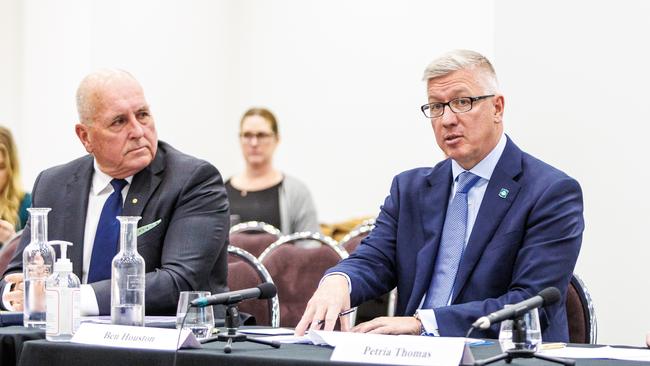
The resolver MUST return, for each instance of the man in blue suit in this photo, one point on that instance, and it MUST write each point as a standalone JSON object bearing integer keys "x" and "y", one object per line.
{"x": 489, "y": 226}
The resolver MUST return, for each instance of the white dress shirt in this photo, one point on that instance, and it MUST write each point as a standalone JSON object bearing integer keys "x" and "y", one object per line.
{"x": 100, "y": 189}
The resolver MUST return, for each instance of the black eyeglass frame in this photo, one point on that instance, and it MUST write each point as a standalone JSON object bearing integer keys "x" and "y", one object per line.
{"x": 472, "y": 100}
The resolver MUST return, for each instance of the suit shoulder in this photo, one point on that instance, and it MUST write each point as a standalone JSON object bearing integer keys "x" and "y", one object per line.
{"x": 422, "y": 172}
{"x": 64, "y": 171}
{"x": 543, "y": 172}
{"x": 542, "y": 168}
{"x": 182, "y": 162}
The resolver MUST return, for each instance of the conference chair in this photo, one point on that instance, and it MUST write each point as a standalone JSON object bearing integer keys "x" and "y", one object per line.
{"x": 581, "y": 315}
{"x": 373, "y": 308}
{"x": 297, "y": 269}
{"x": 7, "y": 251}
{"x": 253, "y": 236}
{"x": 354, "y": 237}
{"x": 246, "y": 271}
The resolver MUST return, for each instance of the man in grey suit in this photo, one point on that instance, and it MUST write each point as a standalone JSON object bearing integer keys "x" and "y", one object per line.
{"x": 181, "y": 199}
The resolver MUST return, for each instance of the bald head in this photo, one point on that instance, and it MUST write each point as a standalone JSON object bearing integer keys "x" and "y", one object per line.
{"x": 116, "y": 125}
{"x": 91, "y": 90}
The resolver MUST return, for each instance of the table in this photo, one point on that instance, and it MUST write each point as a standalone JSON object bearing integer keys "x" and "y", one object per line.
{"x": 41, "y": 352}
{"x": 11, "y": 341}
{"x": 27, "y": 346}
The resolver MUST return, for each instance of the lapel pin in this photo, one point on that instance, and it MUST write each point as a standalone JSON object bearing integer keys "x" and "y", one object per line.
{"x": 503, "y": 193}
{"x": 134, "y": 201}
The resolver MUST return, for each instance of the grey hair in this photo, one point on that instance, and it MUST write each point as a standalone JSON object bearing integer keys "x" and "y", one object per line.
{"x": 463, "y": 60}
{"x": 89, "y": 91}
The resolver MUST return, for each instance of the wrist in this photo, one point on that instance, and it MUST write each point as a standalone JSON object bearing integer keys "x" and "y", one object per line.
{"x": 420, "y": 328}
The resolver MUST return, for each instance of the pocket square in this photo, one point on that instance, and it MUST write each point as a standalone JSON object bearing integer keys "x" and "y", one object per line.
{"x": 144, "y": 229}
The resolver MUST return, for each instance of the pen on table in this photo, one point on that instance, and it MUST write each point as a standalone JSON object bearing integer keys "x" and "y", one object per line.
{"x": 343, "y": 313}
{"x": 480, "y": 342}
{"x": 546, "y": 346}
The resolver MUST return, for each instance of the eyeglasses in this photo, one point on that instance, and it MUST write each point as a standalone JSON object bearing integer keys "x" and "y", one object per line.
{"x": 458, "y": 105}
{"x": 261, "y": 137}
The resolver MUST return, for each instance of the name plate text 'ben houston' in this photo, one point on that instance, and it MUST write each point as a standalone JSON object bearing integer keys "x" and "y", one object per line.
{"x": 123, "y": 336}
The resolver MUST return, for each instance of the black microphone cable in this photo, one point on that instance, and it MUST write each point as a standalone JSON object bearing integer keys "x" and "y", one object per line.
{"x": 180, "y": 331}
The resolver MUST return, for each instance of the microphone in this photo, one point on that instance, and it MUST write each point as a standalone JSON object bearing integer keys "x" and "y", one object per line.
{"x": 547, "y": 296}
{"x": 263, "y": 291}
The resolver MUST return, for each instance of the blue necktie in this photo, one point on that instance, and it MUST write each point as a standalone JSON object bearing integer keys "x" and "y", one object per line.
{"x": 452, "y": 245}
{"x": 107, "y": 235}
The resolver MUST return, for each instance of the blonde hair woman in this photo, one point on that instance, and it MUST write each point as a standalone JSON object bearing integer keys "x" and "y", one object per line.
{"x": 14, "y": 201}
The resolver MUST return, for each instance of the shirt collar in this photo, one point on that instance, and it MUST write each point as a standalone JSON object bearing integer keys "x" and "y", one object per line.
{"x": 486, "y": 166}
{"x": 101, "y": 180}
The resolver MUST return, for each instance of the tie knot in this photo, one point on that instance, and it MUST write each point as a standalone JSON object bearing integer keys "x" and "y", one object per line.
{"x": 466, "y": 181}
{"x": 119, "y": 184}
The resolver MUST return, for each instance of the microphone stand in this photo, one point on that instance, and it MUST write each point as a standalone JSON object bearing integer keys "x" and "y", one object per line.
{"x": 520, "y": 350}
{"x": 232, "y": 323}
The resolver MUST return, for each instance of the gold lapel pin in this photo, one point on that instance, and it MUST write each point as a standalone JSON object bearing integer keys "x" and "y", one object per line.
{"x": 134, "y": 201}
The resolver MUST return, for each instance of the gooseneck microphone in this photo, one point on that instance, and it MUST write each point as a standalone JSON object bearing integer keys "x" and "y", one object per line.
{"x": 264, "y": 291}
{"x": 547, "y": 296}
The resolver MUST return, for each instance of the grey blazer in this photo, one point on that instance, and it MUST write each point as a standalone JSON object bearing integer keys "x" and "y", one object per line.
{"x": 186, "y": 251}
{"x": 297, "y": 209}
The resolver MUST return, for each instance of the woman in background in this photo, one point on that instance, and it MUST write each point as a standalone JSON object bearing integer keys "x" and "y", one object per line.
{"x": 13, "y": 200}
{"x": 261, "y": 192}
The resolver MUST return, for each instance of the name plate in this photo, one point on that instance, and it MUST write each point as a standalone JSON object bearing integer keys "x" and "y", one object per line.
{"x": 403, "y": 350}
{"x": 123, "y": 336}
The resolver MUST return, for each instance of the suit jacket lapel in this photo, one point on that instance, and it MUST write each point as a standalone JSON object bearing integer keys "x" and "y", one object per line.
{"x": 433, "y": 207}
{"x": 76, "y": 206}
{"x": 143, "y": 185}
{"x": 493, "y": 209}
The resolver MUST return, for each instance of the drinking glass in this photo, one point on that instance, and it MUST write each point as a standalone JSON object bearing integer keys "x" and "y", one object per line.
{"x": 533, "y": 332}
{"x": 199, "y": 320}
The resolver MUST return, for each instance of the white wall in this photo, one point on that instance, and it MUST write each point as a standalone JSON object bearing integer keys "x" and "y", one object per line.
{"x": 576, "y": 75}
{"x": 10, "y": 64}
{"x": 343, "y": 77}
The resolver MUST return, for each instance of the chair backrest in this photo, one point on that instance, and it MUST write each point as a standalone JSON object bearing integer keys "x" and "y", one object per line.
{"x": 581, "y": 314}
{"x": 253, "y": 236}
{"x": 7, "y": 251}
{"x": 246, "y": 271}
{"x": 383, "y": 305}
{"x": 297, "y": 269}
{"x": 354, "y": 237}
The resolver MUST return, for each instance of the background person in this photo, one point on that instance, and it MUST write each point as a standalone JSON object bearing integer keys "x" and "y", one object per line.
{"x": 181, "y": 199}
{"x": 489, "y": 226}
{"x": 13, "y": 200}
{"x": 261, "y": 192}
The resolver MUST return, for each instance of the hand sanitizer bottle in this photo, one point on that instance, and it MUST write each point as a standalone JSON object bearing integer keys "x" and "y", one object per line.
{"x": 63, "y": 296}
{"x": 38, "y": 258}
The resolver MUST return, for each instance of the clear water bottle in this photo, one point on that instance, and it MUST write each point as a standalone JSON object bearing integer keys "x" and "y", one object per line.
{"x": 38, "y": 258}
{"x": 127, "y": 277}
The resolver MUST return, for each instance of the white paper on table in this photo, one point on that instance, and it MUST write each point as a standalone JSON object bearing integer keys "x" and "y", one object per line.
{"x": 318, "y": 338}
{"x": 267, "y": 331}
{"x": 606, "y": 352}
{"x": 288, "y": 339}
